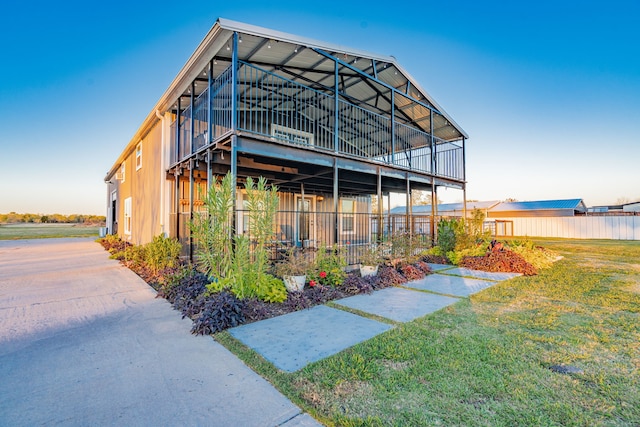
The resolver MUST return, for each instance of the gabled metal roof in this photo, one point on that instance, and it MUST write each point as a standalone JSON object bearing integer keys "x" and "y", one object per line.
{"x": 366, "y": 79}
{"x": 285, "y": 53}
{"x": 575, "y": 204}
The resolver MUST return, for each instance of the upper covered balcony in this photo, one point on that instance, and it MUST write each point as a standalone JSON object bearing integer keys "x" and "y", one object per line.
{"x": 282, "y": 89}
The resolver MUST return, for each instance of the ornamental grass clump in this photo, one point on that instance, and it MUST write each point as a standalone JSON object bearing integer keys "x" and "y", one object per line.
{"x": 238, "y": 263}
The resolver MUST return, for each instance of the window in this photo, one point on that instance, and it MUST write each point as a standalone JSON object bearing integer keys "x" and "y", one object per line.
{"x": 121, "y": 175}
{"x": 348, "y": 210}
{"x": 127, "y": 216}
{"x": 139, "y": 155}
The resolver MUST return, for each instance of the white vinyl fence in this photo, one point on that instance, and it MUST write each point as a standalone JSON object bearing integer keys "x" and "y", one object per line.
{"x": 579, "y": 227}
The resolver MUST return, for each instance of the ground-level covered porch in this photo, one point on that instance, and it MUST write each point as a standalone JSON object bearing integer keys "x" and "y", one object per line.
{"x": 326, "y": 199}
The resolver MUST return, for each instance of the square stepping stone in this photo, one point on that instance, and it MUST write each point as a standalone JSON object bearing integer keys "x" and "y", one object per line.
{"x": 294, "y": 340}
{"x": 401, "y": 305}
{"x": 461, "y": 271}
{"x": 450, "y": 285}
{"x": 438, "y": 267}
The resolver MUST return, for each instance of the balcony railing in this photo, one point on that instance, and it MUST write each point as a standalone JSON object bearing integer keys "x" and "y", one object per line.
{"x": 275, "y": 107}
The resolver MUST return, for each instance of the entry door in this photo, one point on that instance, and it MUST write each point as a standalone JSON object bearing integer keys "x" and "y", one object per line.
{"x": 113, "y": 229}
{"x": 306, "y": 220}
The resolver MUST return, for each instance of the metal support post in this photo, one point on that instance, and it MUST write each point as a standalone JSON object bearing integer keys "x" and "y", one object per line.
{"x": 380, "y": 207}
{"x": 191, "y": 167}
{"x": 335, "y": 201}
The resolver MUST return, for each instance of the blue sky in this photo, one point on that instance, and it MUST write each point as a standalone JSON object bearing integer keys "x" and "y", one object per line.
{"x": 549, "y": 92}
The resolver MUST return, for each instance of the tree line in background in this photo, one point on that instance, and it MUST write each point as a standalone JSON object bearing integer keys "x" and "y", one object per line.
{"x": 14, "y": 218}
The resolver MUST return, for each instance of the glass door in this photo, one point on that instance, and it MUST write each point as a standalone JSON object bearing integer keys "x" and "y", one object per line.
{"x": 305, "y": 212}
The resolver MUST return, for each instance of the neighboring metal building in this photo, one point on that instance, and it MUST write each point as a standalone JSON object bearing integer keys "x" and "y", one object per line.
{"x": 631, "y": 207}
{"x": 446, "y": 209}
{"x": 623, "y": 209}
{"x": 330, "y": 126}
{"x": 568, "y": 207}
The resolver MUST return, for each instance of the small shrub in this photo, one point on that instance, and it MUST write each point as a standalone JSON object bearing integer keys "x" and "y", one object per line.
{"x": 537, "y": 256}
{"x": 113, "y": 243}
{"x": 423, "y": 266}
{"x": 457, "y": 255}
{"x": 254, "y": 309}
{"x": 328, "y": 267}
{"x": 162, "y": 253}
{"x": 271, "y": 289}
{"x": 296, "y": 301}
{"x": 411, "y": 272}
{"x": 219, "y": 312}
{"x": 185, "y": 295}
{"x": 132, "y": 255}
{"x": 403, "y": 245}
{"x": 388, "y": 276}
{"x": 448, "y": 229}
{"x": 434, "y": 259}
{"x": 434, "y": 251}
{"x": 321, "y": 294}
{"x": 354, "y": 285}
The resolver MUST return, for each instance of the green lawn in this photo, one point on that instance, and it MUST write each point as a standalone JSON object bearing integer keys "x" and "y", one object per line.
{"x": 41, "y": 231}
{"x": 485, "y": 360}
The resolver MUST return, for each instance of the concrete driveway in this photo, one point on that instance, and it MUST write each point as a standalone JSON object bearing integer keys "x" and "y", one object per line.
{"x": 84, "y": 341}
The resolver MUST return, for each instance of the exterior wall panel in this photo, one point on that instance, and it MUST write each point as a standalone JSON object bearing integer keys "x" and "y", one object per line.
{"x": 142, "y": 186}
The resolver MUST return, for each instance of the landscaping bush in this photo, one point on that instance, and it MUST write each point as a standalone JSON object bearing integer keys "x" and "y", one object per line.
{"x": 448, "y": 229}
{"x": 423, "y": 266}
{"x": 354, "y": 285}
{"x": 112, "y": 243}
{"x": 388, "y": 276}
{"x": 411, "y": 272}
{"x": 219, "y": 312}
{"x": 186, "y": 296}
{"x": 458, "y": 238}
{"x": 456, "y": 255}
{"x": 162, "y": 253}
{"x": 537, "y": 256}
{"x": 328, "y": 267}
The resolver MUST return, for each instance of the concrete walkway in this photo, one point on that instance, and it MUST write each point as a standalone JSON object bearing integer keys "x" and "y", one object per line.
{"x": 84, "y": 341}
{"x": 294, "y": 340}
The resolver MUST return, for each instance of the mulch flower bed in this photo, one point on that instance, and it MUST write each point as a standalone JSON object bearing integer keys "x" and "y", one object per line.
{"x": 500, "y": 261}
{"x": 186, "y": 289}
{"x": 216, "y": 312}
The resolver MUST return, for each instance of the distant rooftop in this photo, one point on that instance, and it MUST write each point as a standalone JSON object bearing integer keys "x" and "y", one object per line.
{"x": 575, "y": 204}
{"x": 446, "y": 207}
{"x": 494, "y": 206}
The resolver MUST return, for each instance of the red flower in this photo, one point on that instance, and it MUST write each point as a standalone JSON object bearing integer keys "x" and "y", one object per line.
{"x": 312, "y": 283}
{"x": 323, "y": 274}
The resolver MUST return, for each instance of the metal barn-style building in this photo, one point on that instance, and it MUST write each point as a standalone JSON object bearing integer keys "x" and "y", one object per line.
{"x": 335, "y": 129}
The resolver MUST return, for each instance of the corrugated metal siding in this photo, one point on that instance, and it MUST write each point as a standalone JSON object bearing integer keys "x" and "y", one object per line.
{"x": 582, "y": 227}
{"x": 145, "y": 192}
